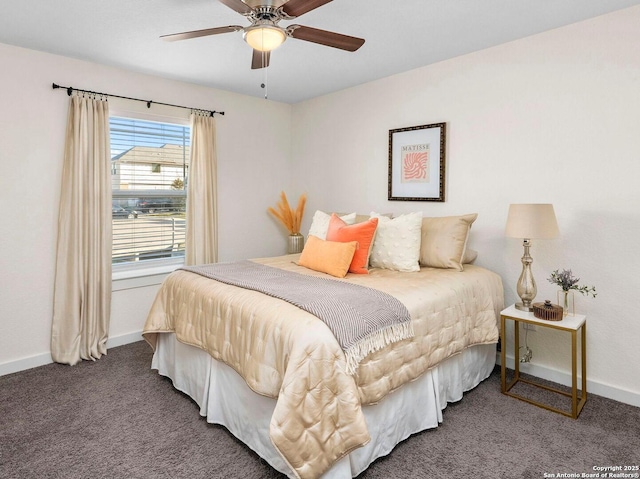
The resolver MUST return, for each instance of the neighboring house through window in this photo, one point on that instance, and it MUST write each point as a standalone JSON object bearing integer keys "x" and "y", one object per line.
{"x": 149, "y": 176}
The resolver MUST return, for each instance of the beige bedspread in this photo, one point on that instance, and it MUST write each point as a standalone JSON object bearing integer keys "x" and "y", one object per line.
{"x": 286, "y": 353}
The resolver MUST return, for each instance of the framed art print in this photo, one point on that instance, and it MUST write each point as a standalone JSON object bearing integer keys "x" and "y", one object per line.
{"x": 417, "y": 163}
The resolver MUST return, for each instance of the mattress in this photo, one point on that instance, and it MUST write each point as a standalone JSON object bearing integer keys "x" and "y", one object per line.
{"x": 224, "y": 398}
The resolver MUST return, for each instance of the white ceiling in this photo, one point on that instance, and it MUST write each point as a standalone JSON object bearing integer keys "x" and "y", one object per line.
{"x": 400, "y": 35}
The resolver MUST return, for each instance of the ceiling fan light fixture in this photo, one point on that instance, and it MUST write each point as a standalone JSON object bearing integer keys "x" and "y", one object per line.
{"x": 264, "y": 38}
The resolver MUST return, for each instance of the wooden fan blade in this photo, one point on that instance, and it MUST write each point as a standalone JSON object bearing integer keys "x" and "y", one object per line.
{"x": 201, "y": 33}
{"x": 260, "y": 59}
{"x": 295, "y": 8}
{"x": 323, "y": 37}
{"x": 237, "y": 5}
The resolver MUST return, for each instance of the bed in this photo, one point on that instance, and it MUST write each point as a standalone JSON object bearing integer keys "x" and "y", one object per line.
{"x": 275, "y": 376}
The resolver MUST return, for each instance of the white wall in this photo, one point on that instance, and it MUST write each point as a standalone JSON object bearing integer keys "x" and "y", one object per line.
{"x": 253, "y": 166}
{"x": 550, "y": 118}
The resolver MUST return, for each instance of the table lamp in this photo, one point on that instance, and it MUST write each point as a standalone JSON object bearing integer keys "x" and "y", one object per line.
{"x": 530, "y": 221}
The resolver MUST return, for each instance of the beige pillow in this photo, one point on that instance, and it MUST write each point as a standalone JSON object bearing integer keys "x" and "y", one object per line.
{"x": 469, "y": 256}
{"x": 444, "y": 240}
{"x": 329, "y": 257}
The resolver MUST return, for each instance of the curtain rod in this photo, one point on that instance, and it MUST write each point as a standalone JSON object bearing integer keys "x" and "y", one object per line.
{"x": 148, "y": 102}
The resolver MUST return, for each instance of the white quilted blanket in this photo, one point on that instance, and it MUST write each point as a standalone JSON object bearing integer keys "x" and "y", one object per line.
{"x": 286, "y": 353}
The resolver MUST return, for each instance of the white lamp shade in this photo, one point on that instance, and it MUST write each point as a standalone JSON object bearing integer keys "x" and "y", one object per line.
{"x": 532, "y": 221}
{"x": 264, "y": 38}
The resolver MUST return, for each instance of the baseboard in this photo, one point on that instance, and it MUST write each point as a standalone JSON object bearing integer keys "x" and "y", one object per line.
{"x": 42, "y": 359}
{"x": 564, "y": 378}
{"x": 124, "y": 339}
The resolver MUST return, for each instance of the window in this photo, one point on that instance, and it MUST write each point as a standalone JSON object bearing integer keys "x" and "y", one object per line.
{"x": 149, "y": 171}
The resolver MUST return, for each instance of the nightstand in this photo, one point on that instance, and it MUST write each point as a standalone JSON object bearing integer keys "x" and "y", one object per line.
{"x": 570, "y": 324}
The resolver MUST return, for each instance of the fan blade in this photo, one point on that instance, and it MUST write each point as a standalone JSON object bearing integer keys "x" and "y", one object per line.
{"x": 323, "y": 37}
{"x": 260, "y": 59}
{"x": 295, "y": 8}
{"x": 237, "y": 5}
{"x": 201, "y": 33}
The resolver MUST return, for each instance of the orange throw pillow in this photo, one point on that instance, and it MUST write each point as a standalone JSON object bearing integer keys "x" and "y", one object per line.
{"x": 363, "y": 233}
{"x": 328, "y": 257}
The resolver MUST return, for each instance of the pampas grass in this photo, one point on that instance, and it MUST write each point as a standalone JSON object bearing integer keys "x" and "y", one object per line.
{"x": 290, "y": 219}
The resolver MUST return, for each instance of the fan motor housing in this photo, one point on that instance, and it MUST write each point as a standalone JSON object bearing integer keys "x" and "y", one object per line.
{"x": 255, "y": 4}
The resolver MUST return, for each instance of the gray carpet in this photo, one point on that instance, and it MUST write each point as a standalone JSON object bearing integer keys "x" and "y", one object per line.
{"x": 116, "y": 418}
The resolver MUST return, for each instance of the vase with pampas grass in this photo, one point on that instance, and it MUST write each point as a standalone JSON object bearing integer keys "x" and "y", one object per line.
{"x": 291, "y": 219}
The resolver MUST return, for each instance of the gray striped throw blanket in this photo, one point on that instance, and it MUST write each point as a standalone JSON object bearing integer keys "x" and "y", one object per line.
{"x": 362, "y": 319}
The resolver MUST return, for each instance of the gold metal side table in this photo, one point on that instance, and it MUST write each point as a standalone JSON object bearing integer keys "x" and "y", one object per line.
{"x": 570, "y": 324}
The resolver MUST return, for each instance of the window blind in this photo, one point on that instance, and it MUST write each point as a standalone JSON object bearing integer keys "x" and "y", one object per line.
{"x": 149, "y": 176}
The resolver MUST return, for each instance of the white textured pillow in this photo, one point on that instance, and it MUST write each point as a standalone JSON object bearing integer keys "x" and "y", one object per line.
{"x": 397, "y": 242}
{"x": 320, "y": 223}
{"x": 444, "y": 241}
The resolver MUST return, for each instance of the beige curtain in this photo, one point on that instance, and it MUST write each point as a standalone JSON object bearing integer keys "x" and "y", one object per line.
{"x": 82, "y": 290}
{"x": 202, "y": 207}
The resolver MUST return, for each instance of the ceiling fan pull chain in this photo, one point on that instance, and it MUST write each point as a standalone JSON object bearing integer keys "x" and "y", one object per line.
{"x": 264, "y": 69}
{"x": 266, "y": 76}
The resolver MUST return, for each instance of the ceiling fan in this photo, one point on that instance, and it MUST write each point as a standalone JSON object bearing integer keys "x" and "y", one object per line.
{"x": 264, "y": 34}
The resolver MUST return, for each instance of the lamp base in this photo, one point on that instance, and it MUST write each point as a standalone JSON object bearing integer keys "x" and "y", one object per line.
{"x": 522, "y": 307}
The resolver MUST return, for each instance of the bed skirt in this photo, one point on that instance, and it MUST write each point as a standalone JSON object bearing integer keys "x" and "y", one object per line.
{"x": 224, "y": 398}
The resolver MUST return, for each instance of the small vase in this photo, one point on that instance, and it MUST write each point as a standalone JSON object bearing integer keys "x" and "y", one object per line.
{"x": 566, "y": 300}
{"x": 295, "y": 243}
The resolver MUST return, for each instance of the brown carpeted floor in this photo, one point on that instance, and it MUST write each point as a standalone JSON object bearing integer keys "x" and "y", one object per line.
{"x": 116, "y": 418}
